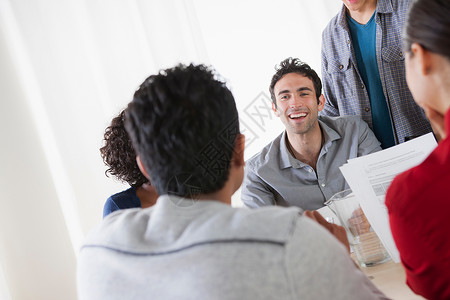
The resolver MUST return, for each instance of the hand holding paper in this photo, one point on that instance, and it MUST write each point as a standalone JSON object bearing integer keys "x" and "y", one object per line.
{"x": 370, "y": 176}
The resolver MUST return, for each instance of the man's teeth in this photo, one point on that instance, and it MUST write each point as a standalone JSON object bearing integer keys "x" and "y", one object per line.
{"x": 299, "y": 115}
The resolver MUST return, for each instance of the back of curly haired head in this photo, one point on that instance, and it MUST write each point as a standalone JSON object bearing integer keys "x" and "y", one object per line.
{"x": 183, "y": 123}
{"x": 119, "y": 155}
{"x": 295, "y": 65}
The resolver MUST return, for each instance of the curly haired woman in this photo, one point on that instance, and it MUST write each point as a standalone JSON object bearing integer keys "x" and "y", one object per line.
{"x": 119, "y": 155}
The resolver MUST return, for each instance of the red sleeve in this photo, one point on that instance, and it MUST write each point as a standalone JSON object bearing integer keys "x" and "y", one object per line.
{"x": 419, "y": 207}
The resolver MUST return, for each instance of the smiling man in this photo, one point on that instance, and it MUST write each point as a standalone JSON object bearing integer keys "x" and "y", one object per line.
{"x": 301, "y": 166}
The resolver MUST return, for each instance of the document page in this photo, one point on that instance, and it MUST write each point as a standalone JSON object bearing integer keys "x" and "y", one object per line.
{"x": 370, "y": 176}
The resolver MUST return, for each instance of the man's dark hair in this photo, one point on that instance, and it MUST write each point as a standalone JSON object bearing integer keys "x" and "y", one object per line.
{"x": 119, "y": 155}
{"x": 295, "y": 65}
{"x": 428, "y": 24}
{"x": 183, "y": 123}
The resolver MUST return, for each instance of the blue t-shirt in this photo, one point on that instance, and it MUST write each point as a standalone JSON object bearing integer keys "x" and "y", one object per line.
{"x": 364, "y": 42}
{"x": 122, "y": 200}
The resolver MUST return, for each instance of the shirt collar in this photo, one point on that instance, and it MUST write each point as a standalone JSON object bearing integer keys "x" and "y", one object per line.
{"x": 341, "y": 20}
{"x": 286, "y": 158}
{"x": 329, "y": 134}
{"x": 384, "y": 7}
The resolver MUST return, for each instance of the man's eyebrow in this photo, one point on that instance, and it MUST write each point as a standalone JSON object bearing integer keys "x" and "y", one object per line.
{"x": 283, "y": 92}
{"x": 303, "y": 88}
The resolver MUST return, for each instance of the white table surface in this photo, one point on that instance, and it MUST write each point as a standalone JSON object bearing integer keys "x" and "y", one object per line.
{"x": 390, "y": 278}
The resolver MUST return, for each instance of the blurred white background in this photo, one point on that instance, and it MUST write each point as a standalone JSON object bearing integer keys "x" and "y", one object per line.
{"x": 67, "y": 67}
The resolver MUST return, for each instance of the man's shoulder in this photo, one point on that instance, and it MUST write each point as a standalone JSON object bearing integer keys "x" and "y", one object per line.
{"x": 348, "y": 119}
{"x": 332, "y": 25}
{"x": 394, "y": 5}
{"x": 265, "y": 223}
{"x": 122, "y": 222}
{"x": 270, "y": 152}
{"x": 342, "y": 123}
{"x": 145, "y": 231}
{"x": 334, "y": 38}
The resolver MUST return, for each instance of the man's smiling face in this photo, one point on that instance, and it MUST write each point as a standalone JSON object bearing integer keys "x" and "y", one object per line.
{"x": 297, "y": 105}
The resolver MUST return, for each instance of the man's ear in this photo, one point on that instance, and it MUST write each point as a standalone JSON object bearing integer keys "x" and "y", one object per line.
{"x": 141, "y": 167}
{"x": 275, "y": 110}
{"x": 238, "y": 153}
{"x": 321, "y": 104}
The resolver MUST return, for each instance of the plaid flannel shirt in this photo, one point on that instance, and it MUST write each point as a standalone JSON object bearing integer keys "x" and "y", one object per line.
{"x": 344, "y": 88}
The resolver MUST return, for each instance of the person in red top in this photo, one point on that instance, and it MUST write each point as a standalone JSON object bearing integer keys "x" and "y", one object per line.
{"x": 418, "y": 200}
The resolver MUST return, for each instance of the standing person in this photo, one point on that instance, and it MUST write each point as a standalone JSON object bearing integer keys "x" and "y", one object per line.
{"x": 119, "y": 155}
{"x": 192, "y": 244}
{"x": 418, "y": 200}
{"x": 363, "y": 70}
{"x": 301, "y": 166}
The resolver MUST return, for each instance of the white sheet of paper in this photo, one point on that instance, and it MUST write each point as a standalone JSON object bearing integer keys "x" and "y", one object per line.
{"x": 370, "y": 176}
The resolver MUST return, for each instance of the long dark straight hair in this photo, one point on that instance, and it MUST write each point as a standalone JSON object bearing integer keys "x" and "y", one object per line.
{"x": 428, "y": 24}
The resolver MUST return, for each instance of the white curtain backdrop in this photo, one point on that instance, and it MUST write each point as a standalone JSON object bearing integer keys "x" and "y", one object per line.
{"x": 69, "y": 66}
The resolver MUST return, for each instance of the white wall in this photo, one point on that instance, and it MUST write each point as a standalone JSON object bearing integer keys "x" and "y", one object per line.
{"x": 36, "y": 255}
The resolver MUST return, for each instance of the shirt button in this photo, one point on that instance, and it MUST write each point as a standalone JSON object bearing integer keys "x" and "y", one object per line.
{"x": 401, "y": 54}
{"x": 310, "y": 170}
{"x": 348, "y": 41}
{"x": 362, "y": 86}
{"x": 341, "y": 67}
{"x": 322, "y": 184}
{"x": 367, "y": 109}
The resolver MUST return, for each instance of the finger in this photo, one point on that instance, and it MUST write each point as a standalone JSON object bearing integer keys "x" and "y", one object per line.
{"x": 319, "y": 218}
{"x": 357, "y": 212}
{"x": 309, "y": 214}
{"x": 341, "y": 235}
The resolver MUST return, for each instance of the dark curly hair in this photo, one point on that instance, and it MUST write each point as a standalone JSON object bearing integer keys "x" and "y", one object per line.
{"x": 183, "y": 123}
{"x": 119, "y": 155}
{"x": 295, "y": 65}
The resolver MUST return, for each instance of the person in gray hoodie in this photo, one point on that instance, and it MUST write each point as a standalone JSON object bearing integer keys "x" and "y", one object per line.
{"x": 192, "y": 244}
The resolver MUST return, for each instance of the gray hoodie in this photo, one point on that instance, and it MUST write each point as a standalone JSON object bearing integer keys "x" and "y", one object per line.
{"x": 184, "y": 249}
